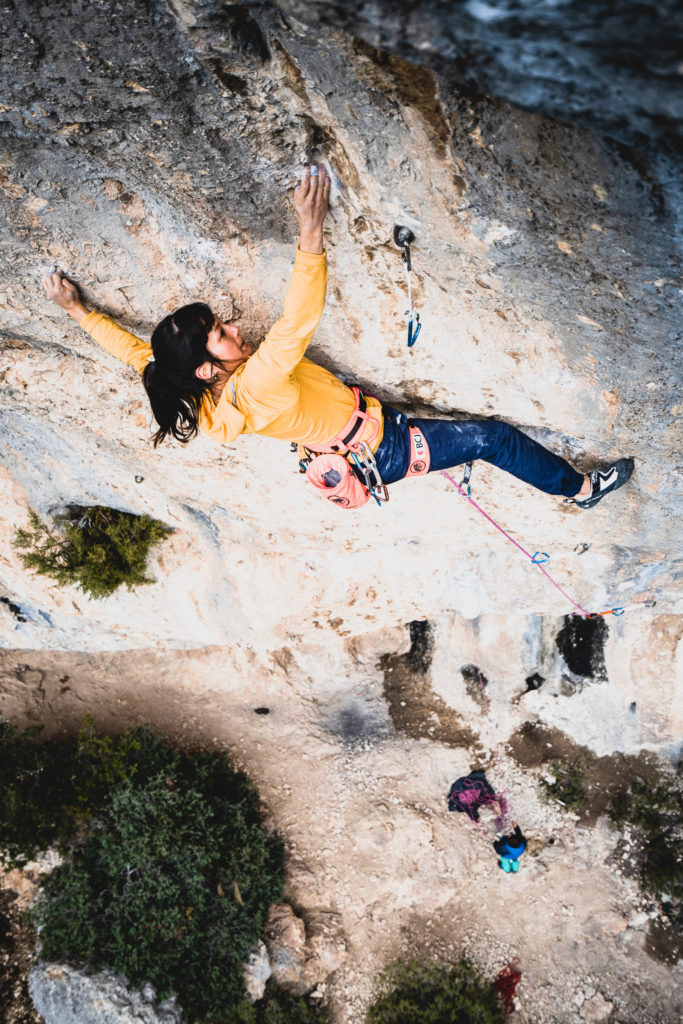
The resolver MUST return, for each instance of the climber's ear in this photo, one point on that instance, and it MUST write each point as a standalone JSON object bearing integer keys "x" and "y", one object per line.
{"x": 205, "y": 371}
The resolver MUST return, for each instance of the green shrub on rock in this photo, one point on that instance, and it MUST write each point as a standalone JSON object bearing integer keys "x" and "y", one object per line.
{"x": 171, "y": 880}
{"x": 95, "y": 548}
{"x": 34, "y": 782}
{"x": 433, "y": 994}
{"x": 567, "y": 787}
{"x": 655, "y": 811}
{"x": 278, "y": 1007}
{"x": 49, "y": 789}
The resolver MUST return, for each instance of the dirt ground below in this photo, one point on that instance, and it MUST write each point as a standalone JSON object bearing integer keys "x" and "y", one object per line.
{"x": 373, "y": 851}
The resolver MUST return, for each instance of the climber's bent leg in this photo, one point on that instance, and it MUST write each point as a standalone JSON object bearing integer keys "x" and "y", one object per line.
{"x": 453, "y": 442}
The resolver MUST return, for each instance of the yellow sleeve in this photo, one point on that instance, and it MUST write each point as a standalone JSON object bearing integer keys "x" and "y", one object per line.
{"x": 287, "y": 340}
{"x": 122, "y": 344}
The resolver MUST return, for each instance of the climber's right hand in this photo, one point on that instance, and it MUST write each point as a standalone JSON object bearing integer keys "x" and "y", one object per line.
{"x": 311, "y": 200}
{"x": 64, "y": 293}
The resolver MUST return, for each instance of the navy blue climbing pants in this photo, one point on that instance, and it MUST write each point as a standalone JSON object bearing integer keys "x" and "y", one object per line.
{"x": 453, "y": 442}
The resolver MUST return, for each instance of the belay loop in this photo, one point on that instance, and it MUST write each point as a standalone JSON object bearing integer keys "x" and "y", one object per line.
{"x": 403, "y": 237}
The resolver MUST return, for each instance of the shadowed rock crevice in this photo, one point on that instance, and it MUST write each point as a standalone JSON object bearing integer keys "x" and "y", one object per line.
{"x": 414, "y": 708}
{"x": 581, "y": 642}
{"x": 14, "y": 609}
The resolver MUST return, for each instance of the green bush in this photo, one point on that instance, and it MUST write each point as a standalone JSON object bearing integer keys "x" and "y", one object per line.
{"x": 277, "y": 1007}
{"x": 432, "y": 994}
{"x": 48, "y": 790}
{"x": 655, "y": 811}
{"x": 33, "y": 785}
{"x": 568, "y": 788}
{"x": 97, "y": 549}
{"x": 170, "y": 873}
{"x": 170, "y": 883}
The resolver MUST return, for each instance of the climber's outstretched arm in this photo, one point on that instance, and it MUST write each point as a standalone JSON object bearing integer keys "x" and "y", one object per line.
{"x": 122, "y": 344}
{"x": 288, "y": 338}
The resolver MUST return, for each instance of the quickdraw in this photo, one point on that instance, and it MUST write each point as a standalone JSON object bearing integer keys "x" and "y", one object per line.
{"x": 610, "y": 611}
{"x": 465, "y": 482}
{"x": 403, "y": 237}
{"x": 364, "y": 462}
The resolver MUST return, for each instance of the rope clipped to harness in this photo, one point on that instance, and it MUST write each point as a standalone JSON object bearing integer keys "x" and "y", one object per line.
{"x": 402, "y": 238}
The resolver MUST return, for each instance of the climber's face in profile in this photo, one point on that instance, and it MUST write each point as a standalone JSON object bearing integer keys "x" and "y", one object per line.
{"x": 226, "y": 345}
{"x": 225, "y": 342}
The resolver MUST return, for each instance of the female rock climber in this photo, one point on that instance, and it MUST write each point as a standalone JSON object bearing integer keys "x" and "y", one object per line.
{"x": 200, "y": 374}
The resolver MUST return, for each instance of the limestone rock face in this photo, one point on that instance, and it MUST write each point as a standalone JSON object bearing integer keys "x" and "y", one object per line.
{"x": 64, "y": 995}
{"x": 286, "y": 943}
{"x": 571, "y": 60}
{"x": 257, "y": 971}
{"x": 149, "y": 151}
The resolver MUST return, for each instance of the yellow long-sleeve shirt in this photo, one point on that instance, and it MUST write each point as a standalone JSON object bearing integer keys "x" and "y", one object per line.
{"x": 277, "y": 391}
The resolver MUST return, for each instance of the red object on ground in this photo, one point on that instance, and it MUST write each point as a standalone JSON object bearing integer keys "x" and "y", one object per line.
{"x": 506, "y": 984}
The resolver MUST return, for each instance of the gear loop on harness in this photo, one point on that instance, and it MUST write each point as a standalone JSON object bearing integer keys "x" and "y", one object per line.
{"x": 366, "y": 465}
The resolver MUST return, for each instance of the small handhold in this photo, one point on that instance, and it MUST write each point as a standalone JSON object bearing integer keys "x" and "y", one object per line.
{"x": 138, "y": 478}
{"x": 580, "y": 548}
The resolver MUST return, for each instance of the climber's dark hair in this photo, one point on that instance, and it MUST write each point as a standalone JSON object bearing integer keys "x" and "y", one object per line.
{"x": 173, "y": 388}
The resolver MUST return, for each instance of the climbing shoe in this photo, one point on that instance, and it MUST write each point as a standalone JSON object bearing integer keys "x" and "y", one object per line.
{"x": 603, "y": 481}
{"x": 505, "y": 864}
{"x": 514, "y": 866}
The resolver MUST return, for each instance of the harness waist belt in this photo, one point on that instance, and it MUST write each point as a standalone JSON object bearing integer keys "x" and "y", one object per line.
{"x": 358, "y": 422}
{"x": 350, "y": 434}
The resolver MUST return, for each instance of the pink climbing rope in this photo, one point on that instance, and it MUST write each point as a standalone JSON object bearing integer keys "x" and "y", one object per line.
{"x": 517, "y": 545}
{"x": 474, "y": 795}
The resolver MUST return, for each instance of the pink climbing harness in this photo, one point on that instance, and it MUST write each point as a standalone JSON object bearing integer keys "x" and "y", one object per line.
{"x": 344, "y": 469}
{"x": 351, "y": 432}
